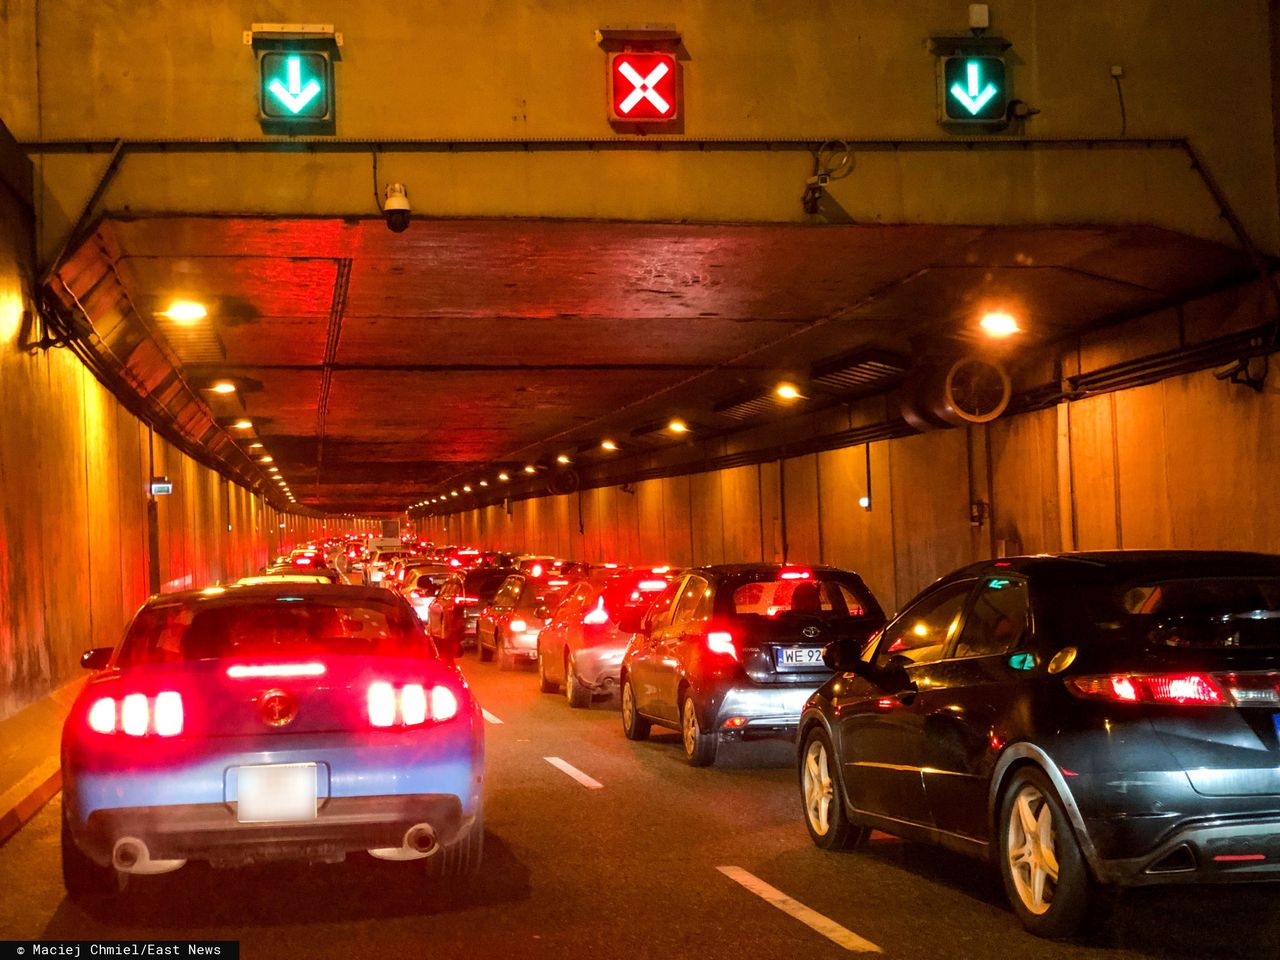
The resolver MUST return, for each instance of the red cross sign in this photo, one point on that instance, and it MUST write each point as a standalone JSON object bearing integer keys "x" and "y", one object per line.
{"x": 643, "y": 87}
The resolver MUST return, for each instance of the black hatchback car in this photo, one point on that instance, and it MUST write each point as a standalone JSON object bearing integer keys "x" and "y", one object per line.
{"x": 1079, "y": 720}
{"x": 733, "y": 652}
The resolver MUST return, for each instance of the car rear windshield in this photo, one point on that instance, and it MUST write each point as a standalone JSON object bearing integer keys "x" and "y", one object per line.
{"x": 484, "y": 583}
{"x": 283, "y": 626}
{"x": 1206, "y": 612}
{"x": 632, "y": 590}
{"x": 822, "y": 594}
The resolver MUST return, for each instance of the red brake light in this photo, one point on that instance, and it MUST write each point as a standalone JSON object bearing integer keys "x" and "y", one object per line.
{"x": 651, "y": 586}
{"x": 598, "y": 615}
{"x": 1181, "y": 689}
{"x": 410, "y": 705}
{"x": 461, "y": 599}
{"x": 795, "y": 575}
{"x": 302, "y": 561}
{"x": 136, "y": 715}
{"x": 721, "y": 641}
{"x": 557, "y": 583}
{"x": 240, "y": 671}
{"x": 535, "y": 570}
{"x": 455, "y": 562}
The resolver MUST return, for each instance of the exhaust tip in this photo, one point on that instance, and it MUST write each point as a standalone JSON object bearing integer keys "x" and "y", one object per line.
{"x": 421, "y": 838}
{"x": 128, "y": 853}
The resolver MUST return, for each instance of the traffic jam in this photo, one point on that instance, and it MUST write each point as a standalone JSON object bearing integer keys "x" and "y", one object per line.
{"x": 1075, "y": 723}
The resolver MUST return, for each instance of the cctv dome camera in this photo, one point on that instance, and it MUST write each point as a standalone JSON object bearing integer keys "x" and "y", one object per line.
{"x": 396, "y": 208}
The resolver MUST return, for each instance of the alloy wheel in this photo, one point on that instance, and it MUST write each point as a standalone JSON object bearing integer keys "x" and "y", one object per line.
{"x": 689, "y": 728}
{"x": 1033, "y": 849}
{"x": 819, "y": 790}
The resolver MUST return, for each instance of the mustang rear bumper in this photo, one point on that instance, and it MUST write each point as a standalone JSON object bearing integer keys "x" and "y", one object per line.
{"x": 211, "y": 831}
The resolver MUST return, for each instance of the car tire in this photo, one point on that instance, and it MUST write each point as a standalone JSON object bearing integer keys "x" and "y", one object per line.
{"x": 699, "y": 747}
{"x": 822, "y": 795}
{"x": 1044, "y": 872}
{"x": 85, "y": 880}
{"x": 634, "y": 726}
{"x": 545, "y": 683}
{"x": 461, "y": 859}
{"x": 578, "y": 695}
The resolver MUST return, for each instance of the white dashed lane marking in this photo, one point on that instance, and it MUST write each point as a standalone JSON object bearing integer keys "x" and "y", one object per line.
{"x": 489, "y": 716}
{"x": 574, "y": 772}
{"x": 810, "y": 918}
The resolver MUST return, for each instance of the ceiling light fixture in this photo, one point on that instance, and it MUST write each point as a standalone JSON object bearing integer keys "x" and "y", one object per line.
{"x": 185, "y": 311}
{"x": 530, "y": 468}
{"x": 223, "y": 386}
{"x": 266, "y": 459}
{"x": 608, "y": 445}
{"x": 466, "y": 488}
{"x": 562, "y": 459}
{"x": 484, "y": 483}
{"x": 503, "y": 477}
{"x": 678, "y": 426}
{"x": 243, "y": 425}
{"x": 998, "y": 324}
{"x": 788, "y": 391}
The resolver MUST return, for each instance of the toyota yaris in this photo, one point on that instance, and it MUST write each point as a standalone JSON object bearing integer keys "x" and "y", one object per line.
{"x": 270, "y": 722}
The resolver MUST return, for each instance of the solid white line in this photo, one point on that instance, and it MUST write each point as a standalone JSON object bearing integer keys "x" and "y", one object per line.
{"x": 489, "y": 716}
{"x": 574, "y": 772}
{"x": 810, "y": 918}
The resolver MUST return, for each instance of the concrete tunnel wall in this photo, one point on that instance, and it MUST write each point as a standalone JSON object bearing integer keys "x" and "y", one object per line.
{"x": 1189, "y": 463}
{"x": 73, "y": 504}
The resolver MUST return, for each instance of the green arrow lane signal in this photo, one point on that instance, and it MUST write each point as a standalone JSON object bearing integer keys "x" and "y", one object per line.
{"x": 295, "y": 88}
{"x": 296, "y": 96}
{"x": 973, "y": 100}
{"x": 973, "y": 90}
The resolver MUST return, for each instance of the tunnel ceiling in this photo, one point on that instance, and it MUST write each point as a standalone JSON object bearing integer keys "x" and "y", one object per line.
{"x": 378, "y": 366}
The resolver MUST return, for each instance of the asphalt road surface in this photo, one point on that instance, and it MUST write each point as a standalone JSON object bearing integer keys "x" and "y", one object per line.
{"x": 619, "y": 849}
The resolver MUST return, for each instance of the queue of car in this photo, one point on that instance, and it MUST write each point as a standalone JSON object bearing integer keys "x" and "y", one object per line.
{"x": 1078, "y": 721}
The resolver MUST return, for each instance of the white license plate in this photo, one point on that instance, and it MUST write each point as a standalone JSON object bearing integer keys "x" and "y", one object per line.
{"x": 799, "y": 657}
{"x": 276, "y": 792}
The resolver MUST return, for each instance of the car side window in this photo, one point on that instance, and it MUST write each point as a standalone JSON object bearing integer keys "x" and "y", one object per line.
{"x": 659, "y": 614}
{"x": 692, "y": 600}
{"x": 922, "y": 632}
{"x": 998, "y": 619}
{"x": 508, "y": 594}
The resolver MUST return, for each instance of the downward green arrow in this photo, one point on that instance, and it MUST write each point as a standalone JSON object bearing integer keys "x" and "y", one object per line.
{"x": 972, "y": 99}
{"x": 296, "y": 96}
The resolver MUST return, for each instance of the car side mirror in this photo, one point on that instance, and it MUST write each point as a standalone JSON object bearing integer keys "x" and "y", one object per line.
{"x": 543, "y": 612}
{"x": 631, "y": 621}
{"x": 96, "y": 659}
{"x": 842, "y": 654}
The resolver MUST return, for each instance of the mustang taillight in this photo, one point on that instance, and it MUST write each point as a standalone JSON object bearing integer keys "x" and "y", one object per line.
{"x": 1178, "y": 689}
{"x": 138, "y": 715}
{"x": 410, "y": 704}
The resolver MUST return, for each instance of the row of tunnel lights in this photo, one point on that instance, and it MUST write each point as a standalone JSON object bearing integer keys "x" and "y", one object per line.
{"x": 997, "y": 324}
{"x": 188, "y": 313}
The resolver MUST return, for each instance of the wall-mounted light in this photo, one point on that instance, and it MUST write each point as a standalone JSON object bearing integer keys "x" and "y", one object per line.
{"x": 865, "y": 503}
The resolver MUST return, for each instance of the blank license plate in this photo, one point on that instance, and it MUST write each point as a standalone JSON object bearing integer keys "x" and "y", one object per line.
{"x": 275, "y": 792}
{"x": 799, "y": 657}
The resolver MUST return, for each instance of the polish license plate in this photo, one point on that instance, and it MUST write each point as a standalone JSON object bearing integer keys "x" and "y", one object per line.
{"x": 799, "y": 656}
{"x": 276, "y": 792}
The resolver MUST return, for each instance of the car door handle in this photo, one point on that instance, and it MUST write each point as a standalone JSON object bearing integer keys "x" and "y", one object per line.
{"x": 906, "y": 697}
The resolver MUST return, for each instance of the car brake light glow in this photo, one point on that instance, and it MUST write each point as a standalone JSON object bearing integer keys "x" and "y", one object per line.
{"x": 1182, "y": 689}
{"x": 102, "y": 716}
{"x": 413, "y": 703}
{"x": 134, "y": 714}
{"x": 382, "y": 704}
{"x": 302, "y": 561}
{"x": 795, "y": 575}
{"x": 241, "y": 671}
{"x": 462, "y": 599}
{"x": 598, "y": 615}
{"x": 557, "y": 583}
{"x": 518, "y": 626}
{"x": 721, "y": 641}
{"x": 651, "y": 586}
{"x": 168, "y": 714}
{"x": 535, "y": 570}
{"x": 660, "y": 570}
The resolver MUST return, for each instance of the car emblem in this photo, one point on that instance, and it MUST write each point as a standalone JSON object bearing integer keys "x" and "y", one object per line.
{"x": 278, "y": 708}
{"x": 810, "y": 632}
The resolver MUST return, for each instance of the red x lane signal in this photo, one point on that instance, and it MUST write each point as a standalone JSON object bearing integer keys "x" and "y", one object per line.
{"x": 643, "y": 87}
